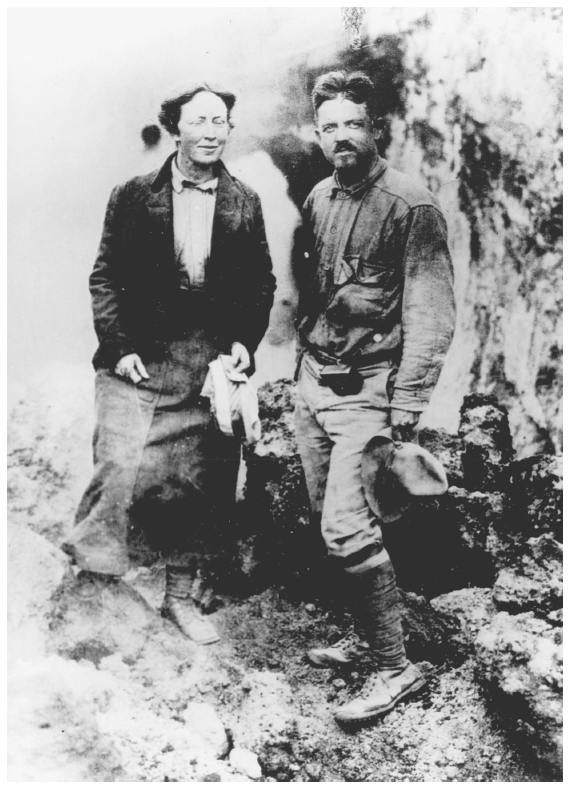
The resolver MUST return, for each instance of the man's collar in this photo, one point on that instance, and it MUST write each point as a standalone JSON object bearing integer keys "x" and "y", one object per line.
{"x": 355, "y": 189}
{"x": 179, "y": 180}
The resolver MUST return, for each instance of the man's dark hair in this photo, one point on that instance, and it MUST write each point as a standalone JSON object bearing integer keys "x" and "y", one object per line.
{"x": 169, "y": 115}
{"x": 356, "y": 86}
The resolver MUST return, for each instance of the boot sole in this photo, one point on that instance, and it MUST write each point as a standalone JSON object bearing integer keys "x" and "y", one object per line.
{"x": 414, "y": 688}
{"x": 326, "y": 663}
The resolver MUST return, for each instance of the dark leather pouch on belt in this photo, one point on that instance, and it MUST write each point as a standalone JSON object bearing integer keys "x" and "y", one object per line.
{"x": 341, "y": 378}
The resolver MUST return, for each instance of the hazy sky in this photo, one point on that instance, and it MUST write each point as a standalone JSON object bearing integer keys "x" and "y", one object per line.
{"x": 82, "y": 84}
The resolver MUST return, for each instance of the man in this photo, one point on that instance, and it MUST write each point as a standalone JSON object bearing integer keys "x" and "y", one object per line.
{"x": 376, "y": 317}
{"x": 183, "y": 274}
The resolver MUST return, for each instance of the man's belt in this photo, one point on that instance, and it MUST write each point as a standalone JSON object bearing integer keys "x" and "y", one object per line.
{"x": 386, "y": 355}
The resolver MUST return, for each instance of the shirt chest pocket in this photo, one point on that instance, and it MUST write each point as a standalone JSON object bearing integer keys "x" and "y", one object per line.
{"x": 366, "y": 271}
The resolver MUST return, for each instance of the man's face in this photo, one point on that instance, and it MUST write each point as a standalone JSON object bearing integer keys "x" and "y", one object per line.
{"x": 203, "y": 129}
{"x": 346, "y": 134}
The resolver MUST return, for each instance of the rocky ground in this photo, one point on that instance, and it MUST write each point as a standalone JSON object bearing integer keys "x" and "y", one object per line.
{"x": 103, "y": 689}
{"x": 117, "y": 695}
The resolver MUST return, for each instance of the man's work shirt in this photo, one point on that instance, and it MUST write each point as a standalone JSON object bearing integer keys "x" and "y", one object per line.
{"x": 376, "y": 278}
{"x": 193, "y": 211}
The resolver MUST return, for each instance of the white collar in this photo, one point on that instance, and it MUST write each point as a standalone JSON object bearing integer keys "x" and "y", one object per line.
{"x": 178, "y": 178}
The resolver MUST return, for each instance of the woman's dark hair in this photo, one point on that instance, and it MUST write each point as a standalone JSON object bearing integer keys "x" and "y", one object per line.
{"x": 170, "y": 109}
{"x": 356, "y": 86}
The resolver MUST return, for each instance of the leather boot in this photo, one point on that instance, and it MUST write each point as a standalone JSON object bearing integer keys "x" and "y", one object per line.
{"x": 182, "y": 610}
{"x": 380, "y": 693}
{"x": 394, "y": 677}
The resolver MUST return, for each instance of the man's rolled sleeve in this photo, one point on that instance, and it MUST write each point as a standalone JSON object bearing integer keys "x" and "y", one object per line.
{"x": 428, "y": 307}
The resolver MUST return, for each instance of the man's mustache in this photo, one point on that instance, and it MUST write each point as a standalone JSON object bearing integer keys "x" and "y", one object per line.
{"x": 343, "y": 146}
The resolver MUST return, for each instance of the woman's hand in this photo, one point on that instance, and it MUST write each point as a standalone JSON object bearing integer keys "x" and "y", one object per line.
{"x": 240, "y": 357}
{"x": 131, "y": 366}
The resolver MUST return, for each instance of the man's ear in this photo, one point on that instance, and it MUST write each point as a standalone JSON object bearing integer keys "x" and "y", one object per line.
{"x": 318, "y": 136}
{"x": 378, "y": 127}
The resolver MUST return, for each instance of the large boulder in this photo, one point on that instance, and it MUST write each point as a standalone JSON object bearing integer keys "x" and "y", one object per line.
{"x": 519, "y": 661}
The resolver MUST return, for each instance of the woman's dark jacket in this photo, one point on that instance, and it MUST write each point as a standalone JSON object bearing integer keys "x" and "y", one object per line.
{"x": 142, "y": 297}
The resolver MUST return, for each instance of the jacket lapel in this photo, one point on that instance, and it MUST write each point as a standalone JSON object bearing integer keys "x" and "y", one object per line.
{"x": 159, "y": 206}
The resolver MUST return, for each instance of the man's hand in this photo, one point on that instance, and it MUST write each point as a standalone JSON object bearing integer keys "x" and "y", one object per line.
{"x": 240, "y": 357}
{"x": 403, "y": 423}
{"x": 131, "y": 366}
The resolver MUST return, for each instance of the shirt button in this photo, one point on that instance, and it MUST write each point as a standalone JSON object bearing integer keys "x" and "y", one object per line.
{"x": 377, "y": 337}
{"x": 342, "y": 194}
{"x": 326, "y": 267}
{"x": 333, "y": 229}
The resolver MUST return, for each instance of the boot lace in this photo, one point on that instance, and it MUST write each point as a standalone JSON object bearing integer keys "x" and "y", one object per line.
{"x": 351, "y": 641}
{"x": 373, "y": 684}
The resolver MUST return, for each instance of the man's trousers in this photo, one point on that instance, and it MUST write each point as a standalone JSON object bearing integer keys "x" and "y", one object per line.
{"x": 332, "y": 431}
